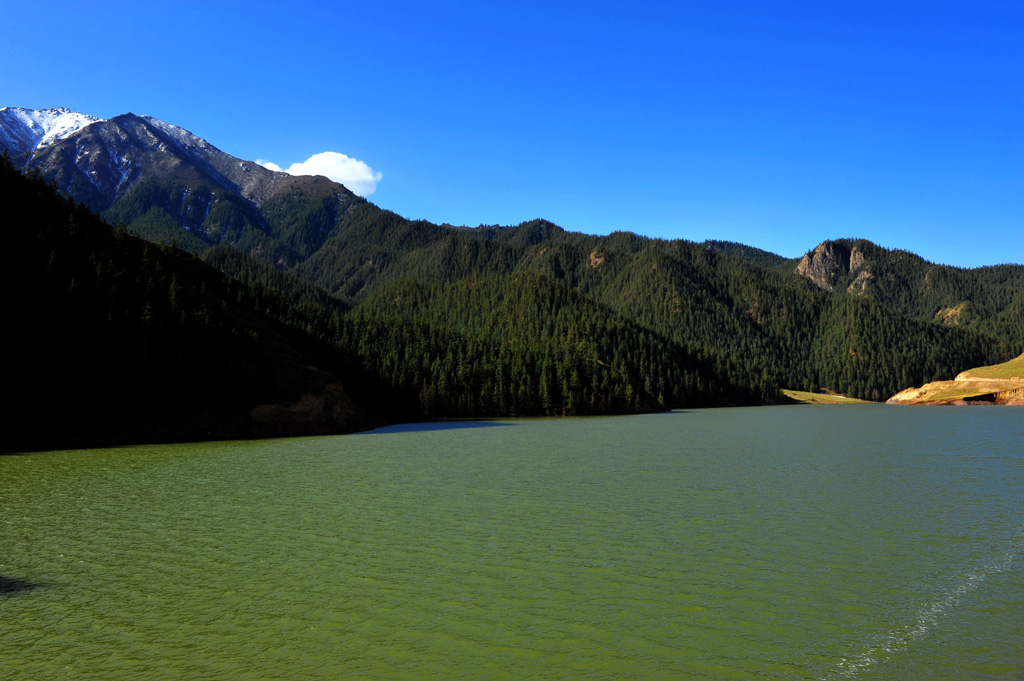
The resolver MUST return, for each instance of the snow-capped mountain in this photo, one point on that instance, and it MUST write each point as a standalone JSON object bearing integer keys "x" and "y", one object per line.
{"x": 97, "y": 161}
{"x": 167, "y": 183}
{"x": 25, "y": 130}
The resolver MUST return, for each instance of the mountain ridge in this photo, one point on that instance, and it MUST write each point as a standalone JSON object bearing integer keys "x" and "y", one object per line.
{"x": 155, "y": 178}
{"x": 251, "y": 180}
{"x": 25, "y": 130}
{"x": 743, "y": 318}
{"x": 119, "y": 340}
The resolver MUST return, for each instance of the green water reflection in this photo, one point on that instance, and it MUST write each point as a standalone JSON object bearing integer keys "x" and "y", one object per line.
{"x": 791, "y": 543}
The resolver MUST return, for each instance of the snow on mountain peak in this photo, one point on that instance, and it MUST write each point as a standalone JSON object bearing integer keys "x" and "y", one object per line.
{"x": 180, "y": 135}
{"x": 29, "y": 129}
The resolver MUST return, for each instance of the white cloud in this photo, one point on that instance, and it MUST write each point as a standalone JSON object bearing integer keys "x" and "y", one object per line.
{"x": 360, "y": 178}
{"x": 269, "y": 165}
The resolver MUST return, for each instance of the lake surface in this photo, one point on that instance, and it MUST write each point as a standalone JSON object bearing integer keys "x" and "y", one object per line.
{"x": 853, "y": 542}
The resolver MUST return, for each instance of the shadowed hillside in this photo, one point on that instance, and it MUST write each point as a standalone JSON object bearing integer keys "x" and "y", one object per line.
{"x": 115, "y": 339}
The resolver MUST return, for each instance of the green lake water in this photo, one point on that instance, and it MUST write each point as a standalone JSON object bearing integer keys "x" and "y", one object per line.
{"x": 854, "y": 542}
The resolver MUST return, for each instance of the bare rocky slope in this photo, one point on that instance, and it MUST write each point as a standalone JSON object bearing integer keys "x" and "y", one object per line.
{"x": 100, "y": 161}
{"x": 998, "y": 384}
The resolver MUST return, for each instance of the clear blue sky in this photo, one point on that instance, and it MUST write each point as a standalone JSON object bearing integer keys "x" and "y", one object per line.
{"x": 776, "y": 124}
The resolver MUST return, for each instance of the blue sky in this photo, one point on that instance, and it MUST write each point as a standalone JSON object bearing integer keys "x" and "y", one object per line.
{"x": 775, "y": 124}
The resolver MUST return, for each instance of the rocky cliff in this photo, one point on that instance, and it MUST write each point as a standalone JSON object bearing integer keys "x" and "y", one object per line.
{"x": 830, "y": 261}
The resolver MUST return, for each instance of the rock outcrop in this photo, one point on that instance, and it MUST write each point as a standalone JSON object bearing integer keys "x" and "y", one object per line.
{"x": 825, "y": 264}
{"x": 830, "y": 261}
{"x": 859, "y": 285}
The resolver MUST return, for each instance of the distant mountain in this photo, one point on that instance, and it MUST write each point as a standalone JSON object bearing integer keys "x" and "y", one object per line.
{"x": 23, "y": 131}
{"x": 103, "y": 160}
{"x": 693, "y": 324}
{"x": 167, "y": 184}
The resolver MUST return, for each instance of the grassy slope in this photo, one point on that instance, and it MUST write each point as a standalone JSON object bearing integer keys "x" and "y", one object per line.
{"x": 804, "y": 397}
{"x": 947, "y": 392}
{"x": 1007, "y": 370}
{"x": 973, "y": 383}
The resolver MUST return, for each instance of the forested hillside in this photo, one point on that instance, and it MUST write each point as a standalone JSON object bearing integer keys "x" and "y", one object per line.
{"x": 527, "y": 344}
{"x": 121, "y": 340}
{"x": 315, "y": 288}
{"x": 988, "y": 300}
{"x": 114, "y": 339}
{"x": 761, "y": 328}
{"x": 756, "y": 321}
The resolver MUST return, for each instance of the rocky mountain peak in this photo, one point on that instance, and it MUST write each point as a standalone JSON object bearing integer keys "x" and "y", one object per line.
{"x": 99, "y": 161}
{"x": 829, "y": 262}
{"x": 23, "y": 131}
{"x": 825, "y": 264}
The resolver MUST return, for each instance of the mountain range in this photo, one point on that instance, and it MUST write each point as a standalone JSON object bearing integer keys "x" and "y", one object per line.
{"x": 166, "y": 183}
{"x": 427, "y": 320}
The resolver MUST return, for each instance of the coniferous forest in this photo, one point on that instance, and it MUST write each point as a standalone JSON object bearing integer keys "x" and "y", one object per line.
{"x": 370, "y": 318}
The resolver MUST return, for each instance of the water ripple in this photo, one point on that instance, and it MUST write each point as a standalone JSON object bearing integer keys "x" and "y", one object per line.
{"x": 727, "y": 544}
